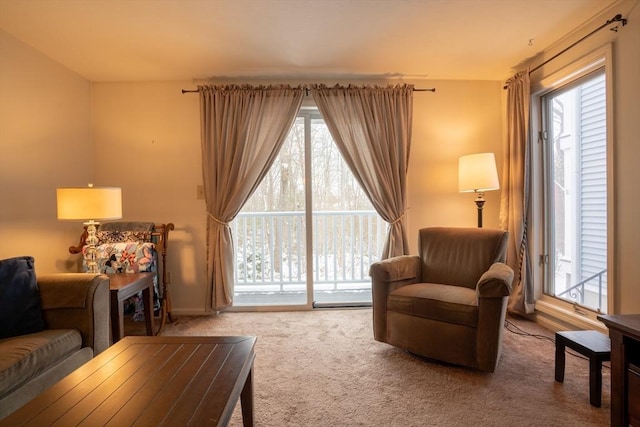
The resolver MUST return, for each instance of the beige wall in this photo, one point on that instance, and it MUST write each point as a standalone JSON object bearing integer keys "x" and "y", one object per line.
{"x": 45, "y": 142}
{"x": 147, "y": 138}
{"x": 627, "y": 163}
{"x": 461, "y": 117}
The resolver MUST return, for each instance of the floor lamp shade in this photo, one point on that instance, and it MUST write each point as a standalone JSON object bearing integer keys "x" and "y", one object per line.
{"x": 89, "y": 203}
{"x": 477, "y": 173}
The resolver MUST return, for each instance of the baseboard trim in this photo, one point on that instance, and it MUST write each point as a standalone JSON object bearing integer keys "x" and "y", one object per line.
{"x": 549, "y": 316}
{"x": 331, "y": 305}
{"x": 557, "y": 318}
{"x": 192, "y": 312}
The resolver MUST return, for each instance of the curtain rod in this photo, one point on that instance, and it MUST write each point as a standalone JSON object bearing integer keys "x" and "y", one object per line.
{"x": 433, "y": 89}
{"x": 617, "y": 18}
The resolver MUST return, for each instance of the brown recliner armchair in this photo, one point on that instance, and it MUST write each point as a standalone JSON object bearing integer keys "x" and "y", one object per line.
{"x": 449, "y": 302}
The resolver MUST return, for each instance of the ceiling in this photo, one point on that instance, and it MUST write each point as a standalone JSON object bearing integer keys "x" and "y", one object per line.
{"x": 155, "y": 40}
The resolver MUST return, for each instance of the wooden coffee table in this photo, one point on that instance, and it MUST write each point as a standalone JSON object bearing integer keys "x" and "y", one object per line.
{"x": 151, "y": 381}
{"x": 126, "y": 285}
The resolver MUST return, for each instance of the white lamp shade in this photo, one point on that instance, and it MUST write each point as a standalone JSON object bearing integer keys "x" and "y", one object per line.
{"x": 477, "y": 172}
{"x": 89, "y": 203}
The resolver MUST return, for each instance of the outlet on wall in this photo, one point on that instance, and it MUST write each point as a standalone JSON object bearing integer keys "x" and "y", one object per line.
{"x": 168, "y": 277}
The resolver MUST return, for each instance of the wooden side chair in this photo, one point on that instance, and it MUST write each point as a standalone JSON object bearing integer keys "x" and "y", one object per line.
{"x": 134, "y": 247}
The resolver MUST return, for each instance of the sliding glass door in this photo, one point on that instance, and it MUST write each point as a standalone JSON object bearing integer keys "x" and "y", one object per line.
{"x": 308, "y": 234}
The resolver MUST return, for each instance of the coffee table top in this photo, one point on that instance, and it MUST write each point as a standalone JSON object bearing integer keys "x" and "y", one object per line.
{"x": 146, "y": 381}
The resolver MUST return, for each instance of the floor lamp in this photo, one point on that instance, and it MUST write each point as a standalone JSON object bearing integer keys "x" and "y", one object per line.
{"x": 90, "y": 204}
{"x": 477, "y": 173}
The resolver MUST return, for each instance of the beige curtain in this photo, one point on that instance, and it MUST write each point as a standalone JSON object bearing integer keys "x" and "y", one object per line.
{"x": 372, "y": 129}
{"x": 514, "y": 205}
{"x": 242, "y": 130}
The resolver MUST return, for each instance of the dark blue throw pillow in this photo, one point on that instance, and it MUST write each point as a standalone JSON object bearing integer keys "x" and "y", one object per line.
{"x": 20, "y": 309}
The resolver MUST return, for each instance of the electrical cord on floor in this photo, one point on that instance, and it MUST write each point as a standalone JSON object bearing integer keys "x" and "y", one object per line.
{"x": 515, "y": 329}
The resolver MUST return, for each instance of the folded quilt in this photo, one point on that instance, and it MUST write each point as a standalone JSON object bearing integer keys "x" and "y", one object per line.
{"x": 124, "y": 257}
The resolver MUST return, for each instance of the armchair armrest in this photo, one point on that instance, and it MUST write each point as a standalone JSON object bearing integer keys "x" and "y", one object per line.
{"x": 495, "y": 282}
{"x": 404, "y": 267}
{"x": 386, "y": 276}
{"x": 77, "y": 301}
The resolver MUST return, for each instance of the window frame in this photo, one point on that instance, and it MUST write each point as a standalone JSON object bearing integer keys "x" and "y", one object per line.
{"x": 563, "y": 77}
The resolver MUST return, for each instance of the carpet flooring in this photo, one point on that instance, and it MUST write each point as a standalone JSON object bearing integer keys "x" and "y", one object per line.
{"x": 323, "y": 368}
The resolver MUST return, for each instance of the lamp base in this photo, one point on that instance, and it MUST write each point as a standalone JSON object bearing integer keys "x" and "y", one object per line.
{"x": 92, "y": 241}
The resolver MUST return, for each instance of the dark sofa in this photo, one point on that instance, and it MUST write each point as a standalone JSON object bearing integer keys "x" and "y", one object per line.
{"x": 48, "y": 328}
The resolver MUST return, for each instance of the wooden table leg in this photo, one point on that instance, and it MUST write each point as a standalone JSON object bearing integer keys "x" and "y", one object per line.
{"x": 595, "y": 381}
{"x": 246, "y": 401}
{"x": 619, "y": 384}
{"x": 560, "y": 359}
{"x": 117, "y": 318}
{"x": 147, "y": 297}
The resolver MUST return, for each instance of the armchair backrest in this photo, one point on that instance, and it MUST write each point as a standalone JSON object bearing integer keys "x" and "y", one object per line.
{"x": 459, "y": 256}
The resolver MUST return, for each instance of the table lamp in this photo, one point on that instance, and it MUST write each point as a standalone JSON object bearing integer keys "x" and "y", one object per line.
{"x": 90, "y": 204}
{"x": 477, "y": 173}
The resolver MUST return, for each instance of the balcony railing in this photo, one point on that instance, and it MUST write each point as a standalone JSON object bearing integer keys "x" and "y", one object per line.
{"x": 271, "y": 254}
{"x": 577, "y": 292}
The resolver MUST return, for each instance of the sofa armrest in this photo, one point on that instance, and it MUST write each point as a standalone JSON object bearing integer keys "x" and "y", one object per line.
{"x": 495, "y": 282}
{"x": 77, "y": 301}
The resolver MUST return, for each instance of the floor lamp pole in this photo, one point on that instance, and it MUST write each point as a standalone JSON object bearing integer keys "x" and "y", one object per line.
{"x": 480, "y": 204}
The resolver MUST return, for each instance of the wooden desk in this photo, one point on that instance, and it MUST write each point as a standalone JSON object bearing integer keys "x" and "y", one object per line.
{"x": 624, "y": 331}
{"x": 151, "y": 381}
{"x": 126, "y": 285}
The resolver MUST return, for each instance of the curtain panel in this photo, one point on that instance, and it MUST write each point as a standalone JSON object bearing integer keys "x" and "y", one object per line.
{"x": 242, "y": 130}
{"x": 372, "y": 129}
{"x": 515, "y": 198}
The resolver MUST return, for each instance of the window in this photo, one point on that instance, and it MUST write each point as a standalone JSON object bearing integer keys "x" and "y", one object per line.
{"x": 575, "y": 165}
